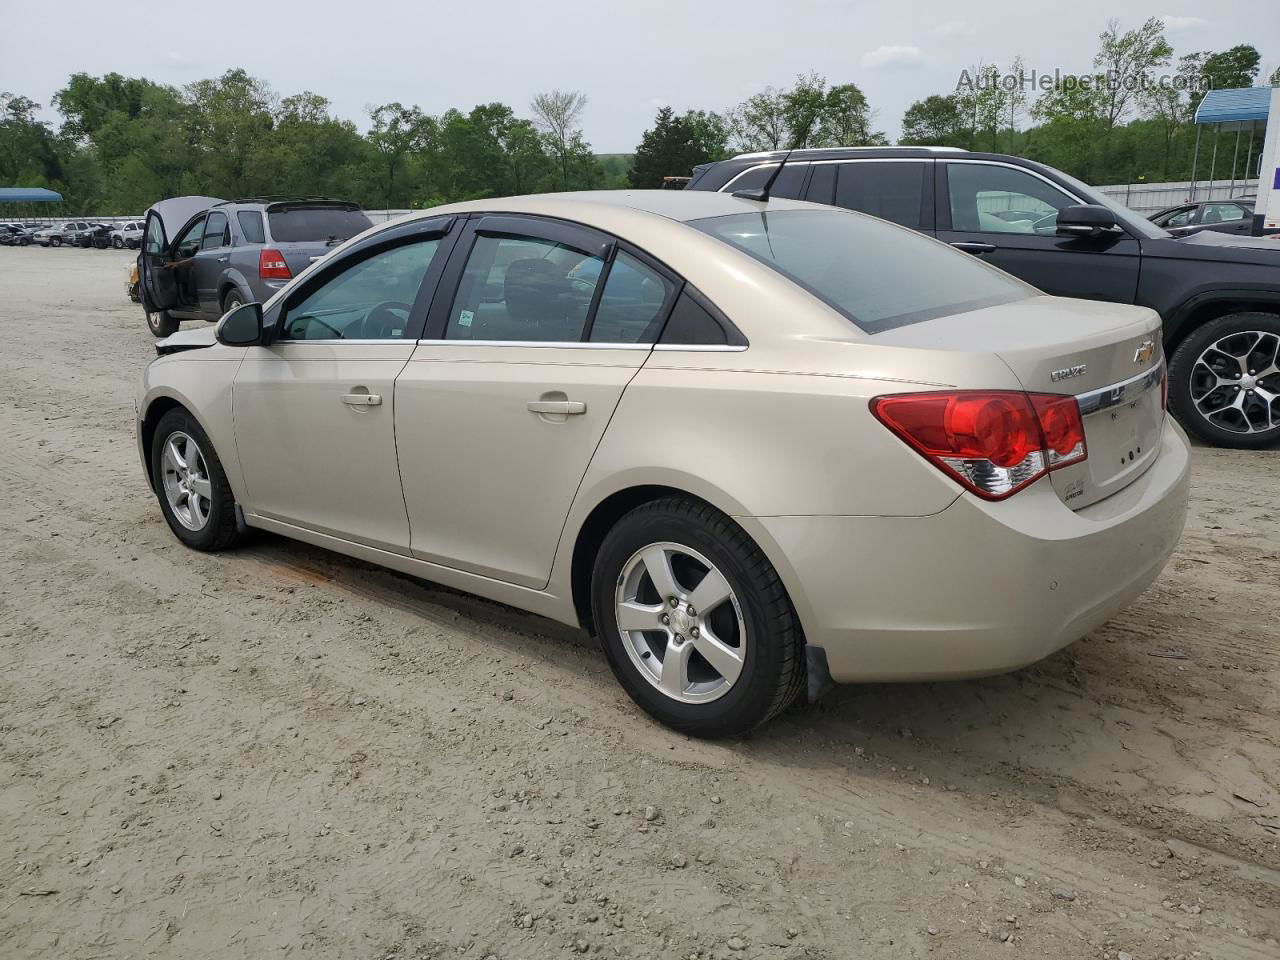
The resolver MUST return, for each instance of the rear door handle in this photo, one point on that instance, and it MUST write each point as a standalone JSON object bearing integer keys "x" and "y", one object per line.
{"x": 566, "y": 407}
{"x": 970, "y": 246}
{"x": 362, "y": 399}
{"x": 222, "y": 259}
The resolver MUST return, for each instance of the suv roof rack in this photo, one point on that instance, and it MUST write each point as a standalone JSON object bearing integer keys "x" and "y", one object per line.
{"x": 807, "y": 150}
{"x": 288, "y": 198}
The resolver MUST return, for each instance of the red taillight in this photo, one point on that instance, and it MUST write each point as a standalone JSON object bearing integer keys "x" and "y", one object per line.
{"x": 994, "y": 442}
{"x": 272, "y": 265}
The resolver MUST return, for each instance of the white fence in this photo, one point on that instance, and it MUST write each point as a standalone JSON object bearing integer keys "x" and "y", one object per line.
{"x": 1147, "y": 198}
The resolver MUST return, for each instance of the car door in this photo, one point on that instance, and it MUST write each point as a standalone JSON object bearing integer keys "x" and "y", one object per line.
{"x": 1006, "y": 215}
{"x": 540, "y": 327}
{"x": 210, "y": 262}
{"x": 314, "y": 411}
{"x": 157, "y": 283}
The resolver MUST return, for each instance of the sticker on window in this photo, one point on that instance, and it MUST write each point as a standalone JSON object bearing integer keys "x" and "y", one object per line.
{"x": 465, "y": 318}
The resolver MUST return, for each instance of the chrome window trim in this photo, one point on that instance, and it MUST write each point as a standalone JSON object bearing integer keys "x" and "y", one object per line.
{"x": 816, "y": 163}
{"x": 700, "y": 347}
{"x": 557, "y": 344}
{"x": 1126, "y": 391}
{"x": 352, "y": 340}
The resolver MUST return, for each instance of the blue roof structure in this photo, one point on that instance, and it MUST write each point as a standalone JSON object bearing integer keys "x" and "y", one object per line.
{"x": 28, "y": 195}
{"x": 1234, "y": 106}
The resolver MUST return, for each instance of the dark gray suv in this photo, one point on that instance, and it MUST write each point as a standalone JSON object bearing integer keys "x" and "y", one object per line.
{"x": 202, "y": 256}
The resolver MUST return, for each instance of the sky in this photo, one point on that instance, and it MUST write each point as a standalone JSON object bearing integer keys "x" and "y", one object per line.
{"x": 628, "y": 58}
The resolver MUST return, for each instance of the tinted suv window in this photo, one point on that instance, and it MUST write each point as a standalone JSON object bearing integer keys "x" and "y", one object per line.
{"x": 987, "y": 198}
{"x": 879, "y": 276}
{"x": 214, "y": 229}
{"x": 368, "y": 301}
{"x": 523, "y": 288}
{"x": 301, "y": 224}
{"x": 251, "y": 226}
{"x": 632, "y": 303}
{"x": 890, "y": 191}
{"x": 787, "y": 186}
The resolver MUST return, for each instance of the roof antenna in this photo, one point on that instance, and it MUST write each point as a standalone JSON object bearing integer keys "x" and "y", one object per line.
{"x": 762, "y": 193}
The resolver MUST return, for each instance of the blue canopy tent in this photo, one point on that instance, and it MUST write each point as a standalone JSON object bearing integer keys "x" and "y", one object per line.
{"x": 1229, "y": 110}
{"x": 28, "y": 195}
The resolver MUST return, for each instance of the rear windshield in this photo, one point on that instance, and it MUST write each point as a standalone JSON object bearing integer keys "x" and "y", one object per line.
{"x": 302, "y": 224}
{"x": 877, "y": 275}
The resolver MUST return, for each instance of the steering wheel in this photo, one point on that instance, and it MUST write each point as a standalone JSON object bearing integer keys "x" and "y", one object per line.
{"x": 383, "y": 318}
{"x": 301, "y": 325}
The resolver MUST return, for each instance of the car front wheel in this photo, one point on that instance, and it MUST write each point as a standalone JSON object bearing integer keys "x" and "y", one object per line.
{"x": 117, "y": 243}
{"x": 55, "y": 242}
{"x": 194, "y": 494}
{"x": 161, "y": 324}
{"x": 695, "y": 621}
{"x": 1224, "y": 381}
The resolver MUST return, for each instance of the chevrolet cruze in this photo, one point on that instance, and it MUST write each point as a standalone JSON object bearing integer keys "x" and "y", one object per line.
{"x": 752, "y": 445}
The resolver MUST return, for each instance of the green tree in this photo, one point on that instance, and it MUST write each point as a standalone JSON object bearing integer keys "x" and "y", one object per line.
{"x": 674, "y": 146}
{"x": 557, "y": 114}
{"x": 397, "y": 132}
{"x": 937, "y": 120}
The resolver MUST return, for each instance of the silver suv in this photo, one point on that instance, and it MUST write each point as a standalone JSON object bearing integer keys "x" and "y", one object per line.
{"x": 202, "y": 256}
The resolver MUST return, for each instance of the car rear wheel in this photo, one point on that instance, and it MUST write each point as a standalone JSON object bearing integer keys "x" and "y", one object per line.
{"x": 231, "y": 301}
{"x": 161, "y": 324}
{"x": 117, "y": 243}
{"x": 194, "y": 494}
{"x": 695, "y": 621}
{"x": 1224, "y": 381}
{"x": 55, "y": 242}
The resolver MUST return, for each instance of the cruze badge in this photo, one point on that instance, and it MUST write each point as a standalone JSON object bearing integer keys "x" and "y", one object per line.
{"x": 1144, "y": 351}
{"x": 1066, "y": 373}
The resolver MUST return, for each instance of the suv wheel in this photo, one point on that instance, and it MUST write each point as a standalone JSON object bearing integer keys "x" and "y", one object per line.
{"x": 161, "y": 324}
{"x": 117, "y": 243}
{"x": 232, "y": 300}
{"x": 1224, "y": 381}
{"x": 55, "y": 241}
{"x": 694, "y": 620}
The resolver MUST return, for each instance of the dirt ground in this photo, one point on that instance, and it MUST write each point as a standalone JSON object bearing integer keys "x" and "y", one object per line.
{"x": 280, "y": 752}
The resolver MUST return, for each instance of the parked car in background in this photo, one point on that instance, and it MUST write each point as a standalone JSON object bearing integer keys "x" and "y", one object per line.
{"x": 127, "y": 235}
{"x": 60, "y": 234}
{"x": 15, "y": 235}
{"x": 1218, "y": 295}
{"x": 1224, "y": 216}
{"x": 753, "y": 446}
{"x": 226, "y": 253}
{"x": 97, "y": 236}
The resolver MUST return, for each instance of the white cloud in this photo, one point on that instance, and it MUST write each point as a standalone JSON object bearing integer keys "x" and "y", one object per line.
{"x": 1183, "y": 23}
{"x": 893, "y": 56}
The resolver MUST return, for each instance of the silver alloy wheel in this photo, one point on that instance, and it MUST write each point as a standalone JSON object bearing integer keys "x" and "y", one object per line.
{"x": 1235, "y": 382}
{"x": 186, "y": 481}
{"x": 690, "y": 642}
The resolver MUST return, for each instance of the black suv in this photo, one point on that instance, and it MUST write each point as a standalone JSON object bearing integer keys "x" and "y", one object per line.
{"x": 1219, "y": 295}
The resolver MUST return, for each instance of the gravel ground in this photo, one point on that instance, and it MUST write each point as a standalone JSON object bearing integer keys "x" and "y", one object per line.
{"x": 278, "y": 751}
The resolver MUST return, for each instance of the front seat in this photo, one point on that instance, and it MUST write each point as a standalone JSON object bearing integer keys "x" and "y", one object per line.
{"x": 540, "y": 302}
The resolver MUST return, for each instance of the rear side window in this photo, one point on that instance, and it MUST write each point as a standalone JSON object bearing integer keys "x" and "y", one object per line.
{"x": 251, "y": 226}
{"x": 787, "y": 186}
{"x": 691, "y": 324}
{"x": 879, "y": 276}
{"x": 822, "y": 185}
{"x": 315, "y": 224}
{"x": 890, "y": 191}
{"x": 631, "y": 304}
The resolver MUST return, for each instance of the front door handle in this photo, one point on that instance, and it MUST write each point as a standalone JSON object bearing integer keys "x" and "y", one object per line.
{"x": 970, "y": 246}
{"x": 222, "y": 259}
{"x": 362, "y": 399}
{"x": 563, "y": 407}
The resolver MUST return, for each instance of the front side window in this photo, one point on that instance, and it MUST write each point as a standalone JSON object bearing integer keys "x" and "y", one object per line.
{"x": 371, "y": 300}
{"x": 889, "y": 190}
{"x": 155, "y": 236}
{"x": 986, "y": 198}
{"x": 1178, "y": 218}
{"x": 518, "y": 288}
{"x": 877, "y": 275}
{"x": 189, "y": 242}
{"x": 215, "y": 231}
{"x": 632, "y": 304}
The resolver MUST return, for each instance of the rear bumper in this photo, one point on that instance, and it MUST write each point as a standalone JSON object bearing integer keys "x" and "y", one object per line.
{"x": 979, "y": 588}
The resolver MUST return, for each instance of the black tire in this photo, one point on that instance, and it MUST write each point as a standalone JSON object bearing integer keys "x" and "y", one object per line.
{"x": 1228, "y": 430}
{"x": 232, "y": 300}
{"x": 55, "y": 241}
{"x": 220, "y": 531}
{"x": 117, "y": 243}
{"x": 161, "y": 323}
{"x": 773, "y": 672}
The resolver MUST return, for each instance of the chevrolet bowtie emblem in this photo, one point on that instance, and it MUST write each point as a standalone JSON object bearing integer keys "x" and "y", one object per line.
{"x": 1144, "y": 351}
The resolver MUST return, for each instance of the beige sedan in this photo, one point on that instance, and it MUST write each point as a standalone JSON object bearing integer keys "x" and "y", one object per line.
{"x": 754, "y": 446}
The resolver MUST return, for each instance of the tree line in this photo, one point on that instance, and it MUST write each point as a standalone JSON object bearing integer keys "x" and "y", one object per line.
{"x": 124, "y": 142}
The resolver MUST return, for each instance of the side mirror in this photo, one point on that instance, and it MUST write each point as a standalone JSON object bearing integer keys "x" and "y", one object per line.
{"x": 242, "y": 327}
{"x": 1085, "y": 220}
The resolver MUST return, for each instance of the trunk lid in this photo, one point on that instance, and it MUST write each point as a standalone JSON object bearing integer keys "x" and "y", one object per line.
{"x": 304, "y": 231}
{"x": 1108, "y": 356}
